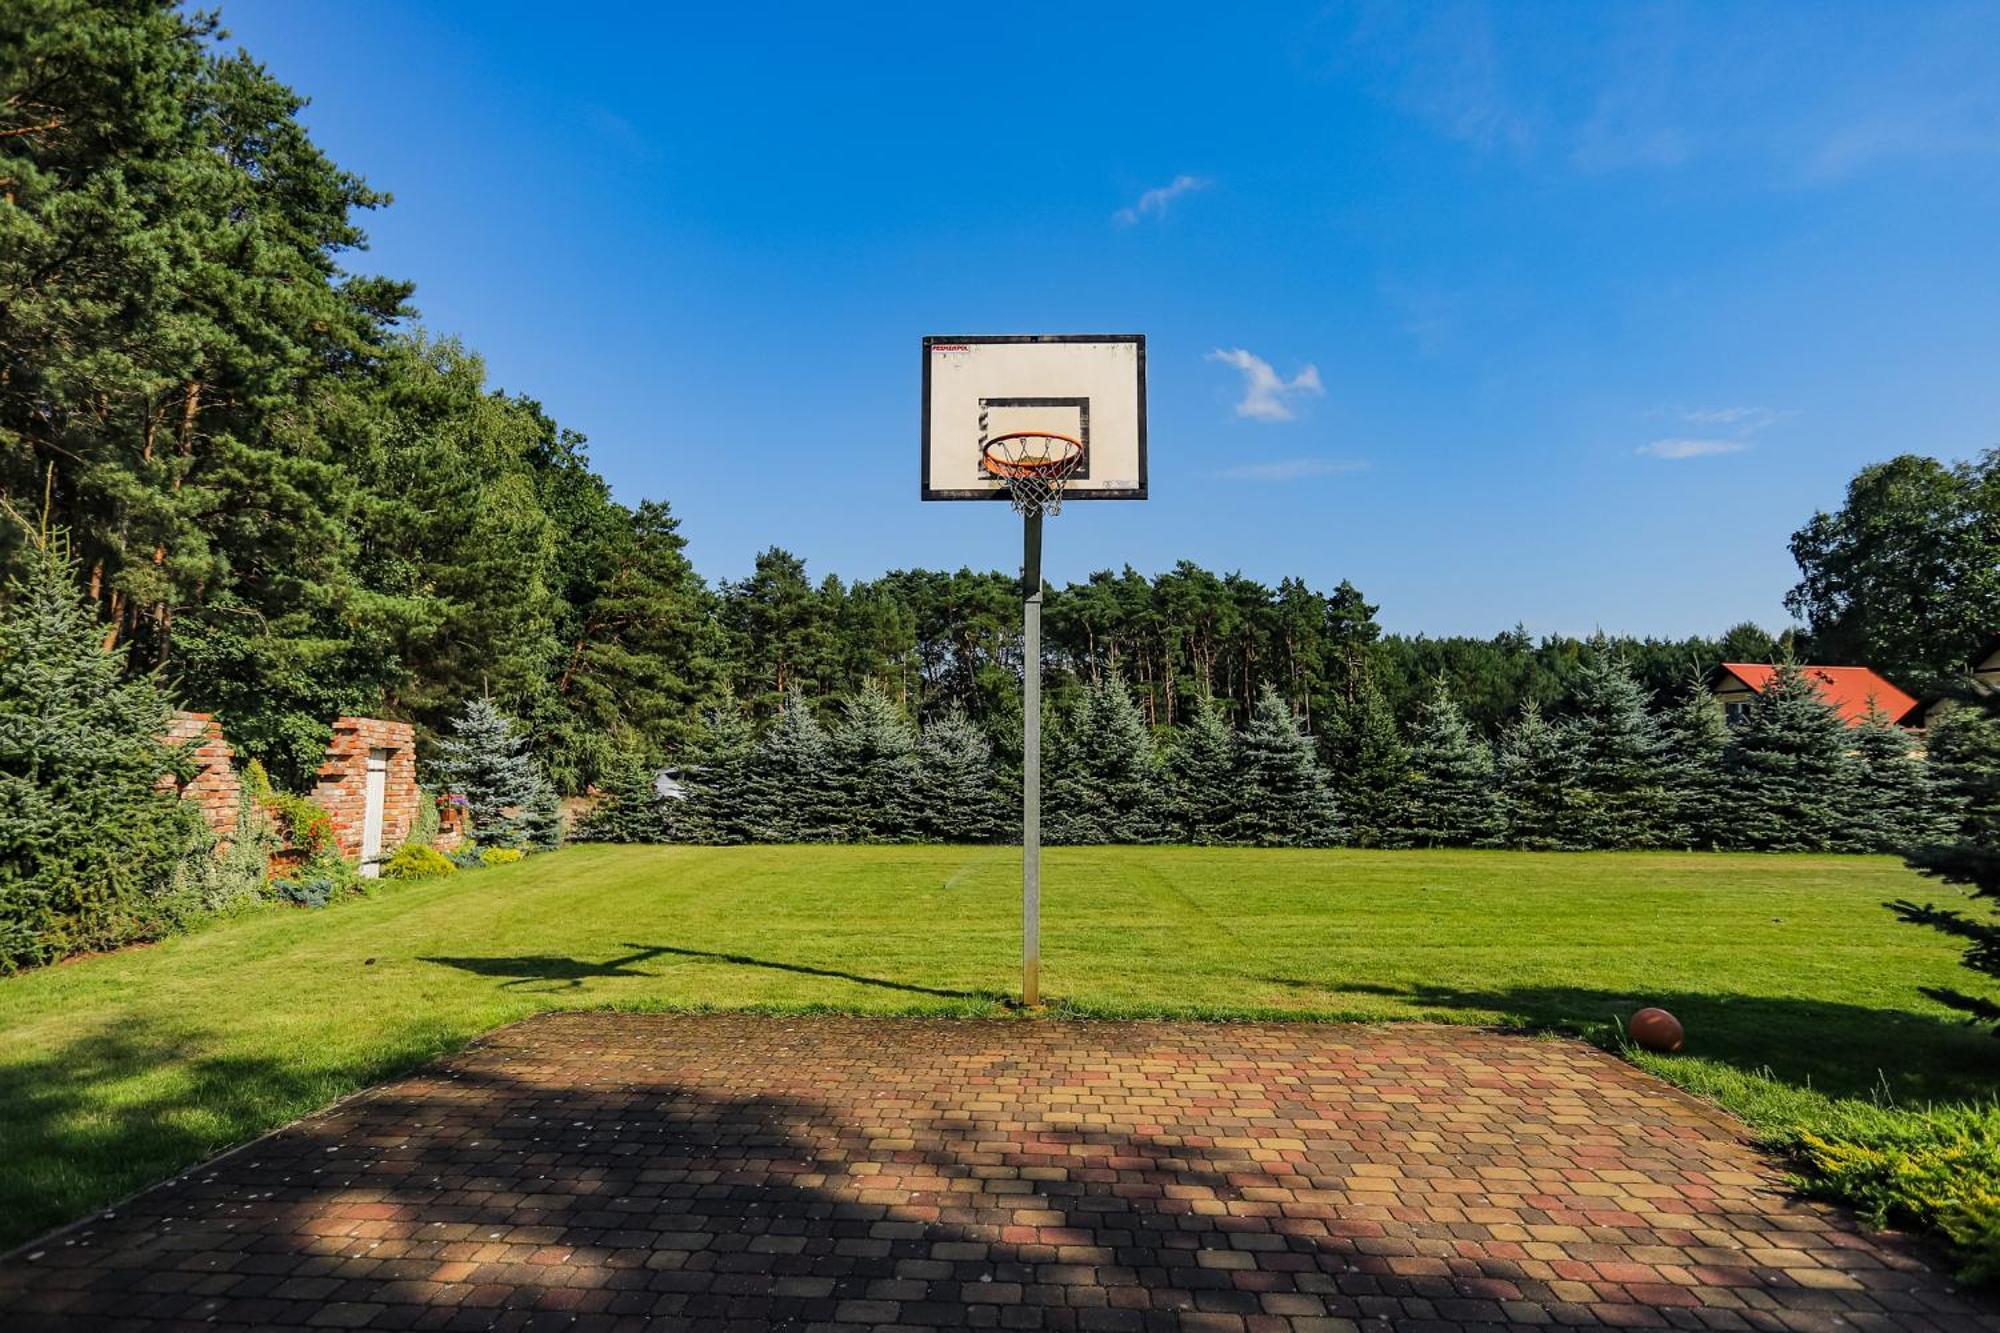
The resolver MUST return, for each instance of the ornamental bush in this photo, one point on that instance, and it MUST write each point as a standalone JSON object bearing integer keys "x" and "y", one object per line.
{"x": 417, "y": 861}
{"x": 499, "y": 856}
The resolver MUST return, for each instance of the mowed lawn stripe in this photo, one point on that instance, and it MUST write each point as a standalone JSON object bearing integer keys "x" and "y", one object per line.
{"x": 117, "y": 1071}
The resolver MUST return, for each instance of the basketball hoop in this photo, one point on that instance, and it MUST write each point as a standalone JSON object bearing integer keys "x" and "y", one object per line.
{"x": 1035, "y": 464}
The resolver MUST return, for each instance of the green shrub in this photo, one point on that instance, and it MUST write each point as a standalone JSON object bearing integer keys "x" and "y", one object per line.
{"x": 1938, "y": 1170}
{"x": 499, "y": 856}
{"x": 424, "y": 828}
{"x": 313, "y": 891}
{"x": 417, "y": 861}
{"x": 468, "y": 857}
{"x": 306, "y": 827}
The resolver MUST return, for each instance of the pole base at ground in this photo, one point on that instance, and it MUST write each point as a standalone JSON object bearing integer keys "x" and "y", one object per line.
{"x": 1031, "y": 985}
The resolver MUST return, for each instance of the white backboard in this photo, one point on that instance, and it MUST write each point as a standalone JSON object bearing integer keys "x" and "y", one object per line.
{"x": 1089, "y": 386}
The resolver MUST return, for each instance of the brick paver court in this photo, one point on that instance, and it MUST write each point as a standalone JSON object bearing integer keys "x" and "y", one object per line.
{"x": 636, "y": 1171}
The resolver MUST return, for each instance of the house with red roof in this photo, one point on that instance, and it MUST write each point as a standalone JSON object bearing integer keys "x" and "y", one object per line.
{"x": 1850, "y": 689}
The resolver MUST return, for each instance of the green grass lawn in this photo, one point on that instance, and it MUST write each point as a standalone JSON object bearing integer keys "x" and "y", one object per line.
{"x": 118, "y": 1070}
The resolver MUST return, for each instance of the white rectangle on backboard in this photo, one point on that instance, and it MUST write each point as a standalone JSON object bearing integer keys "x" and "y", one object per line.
{"x": 1091, "y": 387}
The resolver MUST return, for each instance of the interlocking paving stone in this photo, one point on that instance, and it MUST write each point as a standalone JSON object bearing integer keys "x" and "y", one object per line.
{"x": 612, "y": 1171}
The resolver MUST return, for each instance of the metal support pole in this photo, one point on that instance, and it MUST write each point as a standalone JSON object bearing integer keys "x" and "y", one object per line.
{"x": 1031, "y": 760}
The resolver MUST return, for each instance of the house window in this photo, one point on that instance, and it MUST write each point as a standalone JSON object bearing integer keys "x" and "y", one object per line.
{"x": 1736, "y": 714}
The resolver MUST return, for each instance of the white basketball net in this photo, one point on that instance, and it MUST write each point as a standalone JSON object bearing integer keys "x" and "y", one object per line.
{"x": 1035, "y": 466}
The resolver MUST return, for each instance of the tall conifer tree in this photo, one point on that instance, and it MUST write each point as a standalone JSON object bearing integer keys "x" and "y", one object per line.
{"x": 630, "y": 809}
{"x": 1620, "y": 755}
{"x": 1105, "y": 784}
{"x": 1698, "y": 789}
{"x": 1201, "y": 777}
{"x": 716, "y": 808}
{"x": 1539, "y": 774}
{"x": 1972, "y": 727}
{"x": 958, "y": 787}
{"x": 875, "y": 768}
{"x": 1791, "y": 773}
{"x": 486, "y": 760}
{"x": 88, "y": 842}
{"x": 1368, "y": 765}
{"x": 1281, "y": 795}
{"x": 1897, "y": 806}
{"x": 1450, "y": 801}
{"x": 788, "y": 790}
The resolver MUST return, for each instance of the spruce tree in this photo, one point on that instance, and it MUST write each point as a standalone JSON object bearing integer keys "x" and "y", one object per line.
{"x": 788, "y": 788}
{"x": 1972, "y": 727}
{"x": 1201, "y": 777}
{"x": 716, "y": 780}
{"x": 88, "y": 841}
{"x": 1281, "y": 794}
{"x": 486, "y": 761}
{"x": 1790, "y": 771}
{"x": 1620, "y": 753}
{"x": 1105, "y": 784}
{"x": 1540, "y": 774}
{"x": 958, "y": 793}
{"x": 1699, "y": 807}
{"x": 1368, "y": 765}
{"x": 1964, "y": 749}
{"x": 631, "y": 809}
{"x": 542, "y": 816}
{"x": 1897, "y": 806}
{"x": 874, "y": 769}
{"x": 1450, "y": 799}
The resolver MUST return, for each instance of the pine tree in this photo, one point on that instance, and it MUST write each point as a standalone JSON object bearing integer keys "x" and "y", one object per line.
{"x": 1282, "y": 800}
{"x": 874, "y": 769}
{"x": 88, "y": 842}
{"x": 1620, "y": 754}
{"x": 1105, "y": 784}
{"x": 631, "y": 809}
{"x": 1368, "y": 765}
{"x": 1897, "y": 805}
{"x": 788, "y": 788}
{"x": 1450, "y": 801}
{"x": 1540, "y": 776}
{"x": 1698, "y": 790}
{"x": 1790, "y": 771}
{"x": 1974, "y": 860}
{"x": 1201, "y": 777}
{"x": 958, "y": 793}
{"x": 486, "y": 761}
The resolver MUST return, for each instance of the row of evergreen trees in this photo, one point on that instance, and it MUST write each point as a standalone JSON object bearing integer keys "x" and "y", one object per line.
{"x": 1610, "y": 772}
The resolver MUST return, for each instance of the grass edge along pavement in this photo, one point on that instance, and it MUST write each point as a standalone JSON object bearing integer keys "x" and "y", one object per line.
{"x": 119, "y": 1070}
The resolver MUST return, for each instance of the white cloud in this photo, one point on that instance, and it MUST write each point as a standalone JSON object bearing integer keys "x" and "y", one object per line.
{"x": 1692, "y": 448}
{"x": 1291, "y": 469}
{"x": 1265, "y": 396}
{"x": 1153, "y": 203}
{"x": 1748, "y": 420}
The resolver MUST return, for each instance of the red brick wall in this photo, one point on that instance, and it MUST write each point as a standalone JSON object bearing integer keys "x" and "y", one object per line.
{"x": 214, "y": 786}
{"x": 343, "y": 781}
{"x": 451, "y": 826}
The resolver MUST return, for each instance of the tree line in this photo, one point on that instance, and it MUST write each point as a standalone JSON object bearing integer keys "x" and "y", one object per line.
{"x": 287, "y": 500}
{"x": 1612, "y": 770}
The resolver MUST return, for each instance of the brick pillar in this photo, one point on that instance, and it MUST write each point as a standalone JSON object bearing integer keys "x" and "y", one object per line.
{"x": 342, "y": 789}
{"x": 214, "y": 787}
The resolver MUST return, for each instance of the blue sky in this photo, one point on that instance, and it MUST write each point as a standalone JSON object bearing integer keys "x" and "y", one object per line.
{"x": 1574, "y": 311}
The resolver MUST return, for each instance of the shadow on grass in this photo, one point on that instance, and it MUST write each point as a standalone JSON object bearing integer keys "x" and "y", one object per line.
{"x": 113, "y": 1110}
{"x": 537, "y": 971}
{"x": 1842, "y": 1050}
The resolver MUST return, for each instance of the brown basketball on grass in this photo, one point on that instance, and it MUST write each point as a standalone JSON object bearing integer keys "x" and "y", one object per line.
{"x": 1656, "y": 1030}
